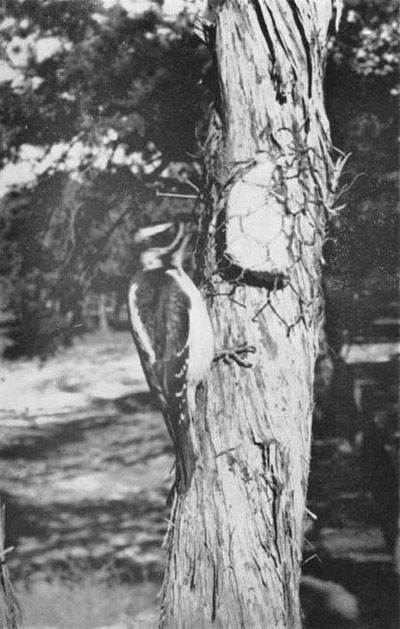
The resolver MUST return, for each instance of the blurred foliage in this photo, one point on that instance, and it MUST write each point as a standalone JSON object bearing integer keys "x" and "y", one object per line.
{"x": 136, "y": 76}
{"x": 122, "y": 99}
{"x": 63, "y": 242}
{"x": 362, "y": 87}
{"x": 368, "y": 40}
{"x": 114, "y": 101}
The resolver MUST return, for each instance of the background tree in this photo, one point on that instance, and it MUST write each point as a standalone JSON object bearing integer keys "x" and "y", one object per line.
{"x": 236, "y": 534}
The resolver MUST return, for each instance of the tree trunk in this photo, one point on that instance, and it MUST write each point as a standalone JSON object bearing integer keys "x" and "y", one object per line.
{"x": 102, "y": 312}
{"x": 236, "y": 533}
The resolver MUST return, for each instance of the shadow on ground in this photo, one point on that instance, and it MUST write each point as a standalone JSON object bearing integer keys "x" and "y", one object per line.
{"x": 89, "y": 494}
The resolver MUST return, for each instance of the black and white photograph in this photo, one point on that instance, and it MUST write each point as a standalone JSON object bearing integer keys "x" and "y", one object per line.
{"x": 199, "y": 314}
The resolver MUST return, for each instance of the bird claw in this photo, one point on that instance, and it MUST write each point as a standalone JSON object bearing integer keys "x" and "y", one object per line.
{"x": 234, "y": 354}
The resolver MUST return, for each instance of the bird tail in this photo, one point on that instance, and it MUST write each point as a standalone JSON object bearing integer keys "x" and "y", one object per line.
{"x": 181, "y": 432}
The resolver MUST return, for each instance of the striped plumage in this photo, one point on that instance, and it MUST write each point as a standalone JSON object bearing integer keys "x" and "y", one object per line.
{"x": 172, "y": 331}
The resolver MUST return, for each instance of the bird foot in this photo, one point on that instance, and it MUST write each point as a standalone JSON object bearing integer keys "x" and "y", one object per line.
{"x": 234, "y": 354}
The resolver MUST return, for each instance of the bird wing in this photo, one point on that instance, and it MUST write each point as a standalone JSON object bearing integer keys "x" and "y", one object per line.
{"x": 159, "y": 317}
{"x": 159, "y": 312}
{"x": 172, "y": 365}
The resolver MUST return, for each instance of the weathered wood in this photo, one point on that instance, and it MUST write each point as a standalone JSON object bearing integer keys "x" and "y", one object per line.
{"x": 236, "y": 536}
{"x": 10, "y": 610}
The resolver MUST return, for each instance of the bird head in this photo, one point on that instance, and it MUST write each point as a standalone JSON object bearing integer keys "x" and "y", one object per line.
{"x": 162, "y": 244}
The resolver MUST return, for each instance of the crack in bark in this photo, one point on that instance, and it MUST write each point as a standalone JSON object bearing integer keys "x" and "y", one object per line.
{"x": 262, "y": 448}
{"x": 264, "y": 29}
{"x": 275, "y": 74}
{"x": 277, "y": 33}
{"x": 192, "y": 578}
{"x": 300, "y": 27}
{"x": 214, "y": 592}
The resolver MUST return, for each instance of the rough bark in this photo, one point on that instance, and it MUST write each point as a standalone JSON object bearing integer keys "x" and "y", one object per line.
{"x": 236, "y": 533}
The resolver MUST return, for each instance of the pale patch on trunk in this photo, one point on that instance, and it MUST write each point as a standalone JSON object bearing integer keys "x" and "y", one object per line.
{"x": 258, "y": 229}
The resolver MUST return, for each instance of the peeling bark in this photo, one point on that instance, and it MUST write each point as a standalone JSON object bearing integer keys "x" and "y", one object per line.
{"x": 236, "y": 536}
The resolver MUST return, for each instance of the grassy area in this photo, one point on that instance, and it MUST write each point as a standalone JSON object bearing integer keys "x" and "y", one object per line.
{"x": 88, "y": 603}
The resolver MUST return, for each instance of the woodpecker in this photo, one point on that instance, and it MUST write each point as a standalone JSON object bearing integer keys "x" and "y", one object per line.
{"x": 172, "y": 330}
